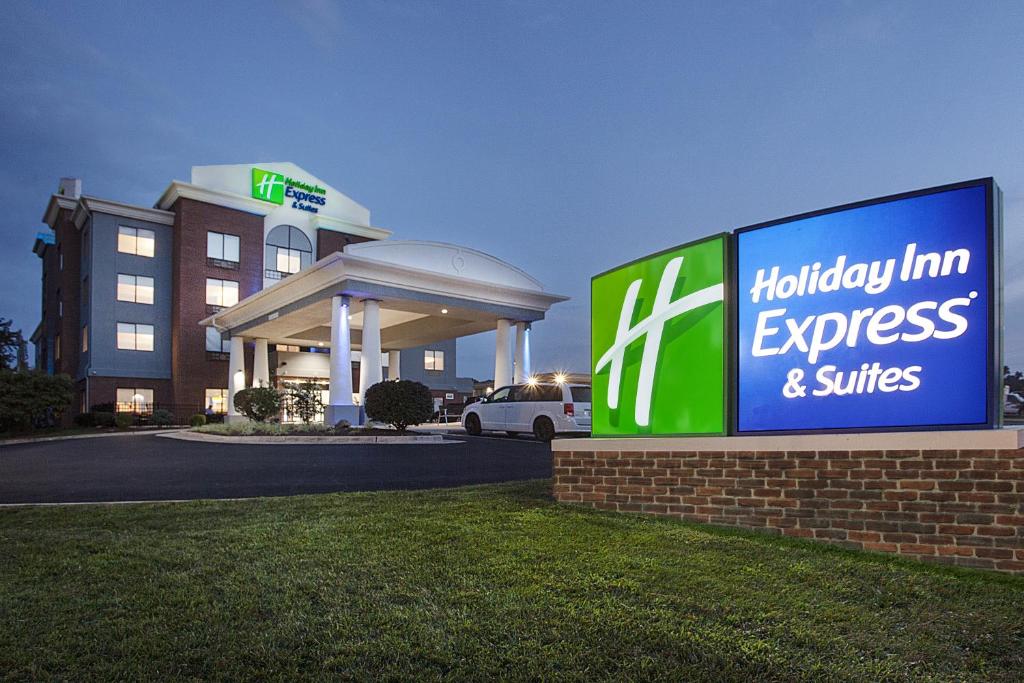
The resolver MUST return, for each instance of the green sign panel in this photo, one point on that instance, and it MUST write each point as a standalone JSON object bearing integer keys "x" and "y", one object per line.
{"x": 658, "y": 343}
{"x": 268, "y": 186}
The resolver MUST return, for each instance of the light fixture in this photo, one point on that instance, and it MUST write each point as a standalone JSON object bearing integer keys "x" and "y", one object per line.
{"x": 531, "y": 380}
{"x": 490, "y": 391}
{"x": 319, "y": 343}
{"x": 444, "y": 311}
{"x": 560, "y": 378}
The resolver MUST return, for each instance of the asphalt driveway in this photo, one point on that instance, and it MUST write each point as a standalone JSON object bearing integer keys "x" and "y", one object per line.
{"x": 132, "y": 468}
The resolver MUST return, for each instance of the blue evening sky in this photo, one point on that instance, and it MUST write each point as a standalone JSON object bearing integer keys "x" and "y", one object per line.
{"x": 564, "y": 137}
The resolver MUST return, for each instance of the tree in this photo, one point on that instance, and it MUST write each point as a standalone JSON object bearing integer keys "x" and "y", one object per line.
{"x": 258, "y": 403}
{"x": 32, "y": 399}
{"x": 400, "y": 403}
{"x": 10, "y": 345}
{"x": 306, "y": 400}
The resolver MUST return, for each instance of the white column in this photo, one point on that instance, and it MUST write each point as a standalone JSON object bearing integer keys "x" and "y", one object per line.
{"x": 261, "y": 365}
{"x": 370, "y": 370}
{"x": 502, "y": 358}
{"x": 522, "y": 362}
{"x": 341, "y": 356}
{"x": 394, "y": 364}
{"x": 236, "y": 373}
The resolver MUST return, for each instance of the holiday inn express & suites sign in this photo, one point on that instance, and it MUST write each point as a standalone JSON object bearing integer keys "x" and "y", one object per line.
{"x": 878, "y": 315}
{"x": 276, "y": 188}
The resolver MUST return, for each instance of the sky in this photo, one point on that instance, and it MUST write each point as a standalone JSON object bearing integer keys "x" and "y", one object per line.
{"x": 563, "y": 137}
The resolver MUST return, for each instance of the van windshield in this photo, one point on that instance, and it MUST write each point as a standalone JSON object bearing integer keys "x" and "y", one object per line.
{"x": 580, "y": 394}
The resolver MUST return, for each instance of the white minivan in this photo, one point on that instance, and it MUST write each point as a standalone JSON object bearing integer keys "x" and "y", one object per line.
{"x": 543, "y": 409}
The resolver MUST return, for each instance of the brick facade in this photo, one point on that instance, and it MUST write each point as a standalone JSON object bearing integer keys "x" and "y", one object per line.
{"x": 67, "y": 248}
{"x": 330, "y": 241}
{"x": 963, "y": 507}
{"x": 195, "y": 370}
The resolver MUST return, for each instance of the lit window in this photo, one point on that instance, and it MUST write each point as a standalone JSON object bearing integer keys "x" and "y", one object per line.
{"x": 288, "y": 250}
{"x": 288, "y": 347}
{"x": 85, "y": 338}
{"x": 134, "y": 400}
{"x": 134, "y": 337}
{"x": 56, "y": 347}
{"x": 433, "y": 360}
{"x": 222, "y": 247}
{"x": 138, "y": 241}
{"x": 217, "y": 400}
{"x": 214, "y": 342}
{"x": 135, "y": 288}
{"x": 221, "y": 292}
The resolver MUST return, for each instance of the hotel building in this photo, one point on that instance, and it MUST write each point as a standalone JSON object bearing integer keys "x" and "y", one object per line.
{"x": 262, "y": 274}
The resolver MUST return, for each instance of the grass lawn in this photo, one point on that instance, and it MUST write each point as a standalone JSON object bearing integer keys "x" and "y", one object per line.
{"x": 474, "y": 583}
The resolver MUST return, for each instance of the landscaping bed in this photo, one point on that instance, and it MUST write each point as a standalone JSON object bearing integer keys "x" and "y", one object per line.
{"x": 488, "y": 582}
{"x": 276, "y": 429}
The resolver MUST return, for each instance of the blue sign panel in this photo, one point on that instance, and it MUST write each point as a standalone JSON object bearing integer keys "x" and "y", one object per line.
{"x": 877, "y": 315}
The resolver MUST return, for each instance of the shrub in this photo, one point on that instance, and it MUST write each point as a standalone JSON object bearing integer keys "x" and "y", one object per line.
{"x": 400, "y": 403}
{"x": 123, "y": 420}
{"x": 104, "y": 419}
{"x": 258, "y": 403}
{"x": 197, "y": 420}
{"x": 32, "y": 399}
{"x": 306, "y": 400}
{"x": 85, "y": 420}
{"x": 104, "y": 408}
{"x": 162, "y": 418}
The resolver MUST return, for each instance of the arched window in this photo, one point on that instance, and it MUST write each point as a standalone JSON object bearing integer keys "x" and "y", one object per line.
{"x": 287, "y": 251}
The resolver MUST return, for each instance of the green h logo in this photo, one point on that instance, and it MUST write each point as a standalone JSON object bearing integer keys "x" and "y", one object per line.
{"x": 658, "y": 343}
{"x": 268, "y": 186}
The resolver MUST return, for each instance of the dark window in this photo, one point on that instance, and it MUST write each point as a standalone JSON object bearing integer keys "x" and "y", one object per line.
{"x": 539, "y": 392}
{"x": 580, "y": 394}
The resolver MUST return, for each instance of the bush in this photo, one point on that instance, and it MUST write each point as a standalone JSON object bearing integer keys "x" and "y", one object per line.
{"x": 85, "y": 420}
{"x": 123, "y": 420}
{"x": 32, "y": 399}
{"x": 400, "y": 403}
{"x": 197, "y": 420}
{"x": 306, "y": 400}
{"x": 258, "y": 403}
{"x": 162, "y": 418}
{"x": 104, "y": 419}
{"x": 104, "y": 408}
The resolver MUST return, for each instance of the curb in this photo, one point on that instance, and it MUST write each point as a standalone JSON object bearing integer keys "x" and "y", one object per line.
{"x": 306, "y": 440}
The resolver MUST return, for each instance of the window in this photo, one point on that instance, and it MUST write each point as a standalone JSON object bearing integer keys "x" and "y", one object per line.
{"x": 214, "y": 342}
{"x": 85, "y": 338}
{"x": 60, "y": 308}
{"x": 288, "y": 250}
{"x": 222, "y": 293}
{"x": 222, "y": 247}
{"x": 134, "y": 400}
{"x": 134, "y": 337}
{"x": 580, "y": 394}
{"x": 288, "y": 347}
{"x": 538, "y": 392}
{"x": 134, "y": 288}
{"x": 56, "y": 347}
{"x": 499, "y": 396}
{"x": 60, "y": 258}
{"x": 433, "y": 360}
{"x": 138, "y": 241}
{"x": 217, "y": 401}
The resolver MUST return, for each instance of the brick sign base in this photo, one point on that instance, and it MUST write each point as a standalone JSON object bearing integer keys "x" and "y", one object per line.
{"x": 955, "y": 505}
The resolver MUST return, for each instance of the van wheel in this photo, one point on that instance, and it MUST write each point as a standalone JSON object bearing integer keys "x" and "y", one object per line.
{"x": 543, "y": 429}
{"x": 473, "y": 425}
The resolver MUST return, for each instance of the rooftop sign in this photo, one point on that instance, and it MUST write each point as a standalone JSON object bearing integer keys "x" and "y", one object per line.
{"x": 878, "y": 315}
{"x": 276, "y": 188}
